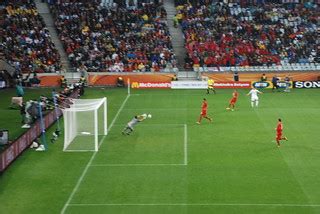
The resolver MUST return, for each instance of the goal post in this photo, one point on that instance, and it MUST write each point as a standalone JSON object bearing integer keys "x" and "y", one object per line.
{"x": 85, "y": 124}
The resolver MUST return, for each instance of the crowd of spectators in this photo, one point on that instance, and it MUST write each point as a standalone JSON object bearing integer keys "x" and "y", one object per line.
{"x": 116, "y": 39}
{"x": 24, "y": 39}
{"x": 220, "y": 34}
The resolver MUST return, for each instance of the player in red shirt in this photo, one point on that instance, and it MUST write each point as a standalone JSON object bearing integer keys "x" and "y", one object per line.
{"x": 203, "y": 113}
{"x": 233, "y": 100}
{"x": 279, "y": 132}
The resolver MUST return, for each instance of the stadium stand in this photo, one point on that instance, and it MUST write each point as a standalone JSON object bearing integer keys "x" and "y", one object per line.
{"x": 220, "y": 34}
{"x": 99, "y": 39}
{"x": 25, "y": 41}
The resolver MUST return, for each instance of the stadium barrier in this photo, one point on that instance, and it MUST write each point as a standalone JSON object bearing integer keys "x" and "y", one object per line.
{"x": 105, "y": 79}
{"x": 17, "y": 147}
{"x": 110, "y": 79}
{"x": 295, "y": 76}
{"x": 273, "y": 68}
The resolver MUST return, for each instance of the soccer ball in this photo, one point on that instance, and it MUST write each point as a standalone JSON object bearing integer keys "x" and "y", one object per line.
{"x": 149, "y": 115}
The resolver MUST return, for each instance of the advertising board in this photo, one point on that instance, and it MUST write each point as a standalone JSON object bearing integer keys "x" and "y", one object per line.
{"x": 268, "y": 84}
{"x": 189, "y": 84}
{"x": 306, "y": 84}
{"x": 150, "y": 85}
{"x": 232, "y": 84}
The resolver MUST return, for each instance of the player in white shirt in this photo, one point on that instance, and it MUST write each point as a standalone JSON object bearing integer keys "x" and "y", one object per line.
{"x": 133, "y": 122}
{"x": 254, "y": 96}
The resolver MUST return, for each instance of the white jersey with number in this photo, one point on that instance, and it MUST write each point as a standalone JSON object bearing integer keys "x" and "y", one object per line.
{"x": 254, "y": 94}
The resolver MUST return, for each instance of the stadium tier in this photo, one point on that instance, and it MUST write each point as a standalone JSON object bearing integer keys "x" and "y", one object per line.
{"x": 25, "y": 40}
{"x": 220, "y": 34}
{"x": 114, "y": 39}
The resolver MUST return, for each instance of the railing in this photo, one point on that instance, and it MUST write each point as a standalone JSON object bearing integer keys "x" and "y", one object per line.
{"x": 274, "y": 68}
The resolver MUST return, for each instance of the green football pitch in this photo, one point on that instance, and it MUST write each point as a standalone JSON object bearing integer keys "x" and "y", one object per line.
{"x": 172, "y": 165}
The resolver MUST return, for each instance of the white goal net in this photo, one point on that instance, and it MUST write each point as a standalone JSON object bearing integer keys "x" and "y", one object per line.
{"x": 85, "y": 123}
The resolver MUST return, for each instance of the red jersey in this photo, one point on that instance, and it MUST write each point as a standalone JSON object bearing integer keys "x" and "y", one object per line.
{"x": 235, "y": 95}
{"x": 279, "y": 127}
{"x": 204, "y": 106}
{"x": 234, "y": 98}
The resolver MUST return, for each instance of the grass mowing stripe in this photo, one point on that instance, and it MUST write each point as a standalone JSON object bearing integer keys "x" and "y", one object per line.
{"x": 213, "y": 204}
{"x": 184, "y": 150}
{"x": 91, "y": 159}
{"x": 185, "y": 144}
{"x": 284, "y": 158}
{"x": 296, "y": 167}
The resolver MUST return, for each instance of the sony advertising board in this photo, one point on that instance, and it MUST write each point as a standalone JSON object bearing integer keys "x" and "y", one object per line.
{"x": 306, "y": 84}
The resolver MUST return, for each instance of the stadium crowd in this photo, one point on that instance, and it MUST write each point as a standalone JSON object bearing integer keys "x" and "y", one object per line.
{"x": 220, "y": 34}
{"x": 24, "y": 39}
{"x": 114, "y": 39}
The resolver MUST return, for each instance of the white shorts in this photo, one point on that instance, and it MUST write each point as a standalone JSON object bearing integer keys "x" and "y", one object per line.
{"x": 254, "y": 99}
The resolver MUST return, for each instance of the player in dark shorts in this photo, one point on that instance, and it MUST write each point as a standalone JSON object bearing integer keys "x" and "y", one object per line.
{"x": 133, "y": 122}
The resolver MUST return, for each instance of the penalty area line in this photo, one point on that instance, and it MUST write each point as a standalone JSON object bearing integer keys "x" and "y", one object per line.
{"x": 137, "y": 164}
{"x": 75, "y": 189}
{"x": 155, "y": 124}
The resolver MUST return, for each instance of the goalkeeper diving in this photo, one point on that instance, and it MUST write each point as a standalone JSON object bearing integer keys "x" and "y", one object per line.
{"x": 135, "y": 120}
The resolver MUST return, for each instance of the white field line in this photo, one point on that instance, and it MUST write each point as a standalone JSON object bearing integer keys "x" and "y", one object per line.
{"x": 91, "y": 159}
{"x": 79, "y": 150}
{"x": 185, "y": 145}
{"x": 138, "y": 164}
{"x": 188, "y": 94}
{"x": 154, "y": 124}
{"x": 212, "y": 204}
{"x": 158, "y": 109}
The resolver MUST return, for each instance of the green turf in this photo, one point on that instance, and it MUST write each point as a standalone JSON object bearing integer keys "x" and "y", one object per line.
{"x": 229, "y": 166}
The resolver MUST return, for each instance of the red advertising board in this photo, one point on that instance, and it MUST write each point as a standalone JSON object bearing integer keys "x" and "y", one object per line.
{"x": 232, "y": 84}
{"x": 150, "y": 85}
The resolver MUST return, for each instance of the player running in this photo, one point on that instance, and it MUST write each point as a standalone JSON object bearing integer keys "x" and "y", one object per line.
{"x": 279, "y": 132}
{"x": 137, "y": 119}
{"x": 254, "y": 96}
{"x": 203, "y": 113}
{"x": 233, "y": 100}
{"x": 211, "y": 86}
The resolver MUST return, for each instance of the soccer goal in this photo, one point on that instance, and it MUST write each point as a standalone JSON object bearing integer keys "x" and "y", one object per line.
{"x": 85, "y": 123}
